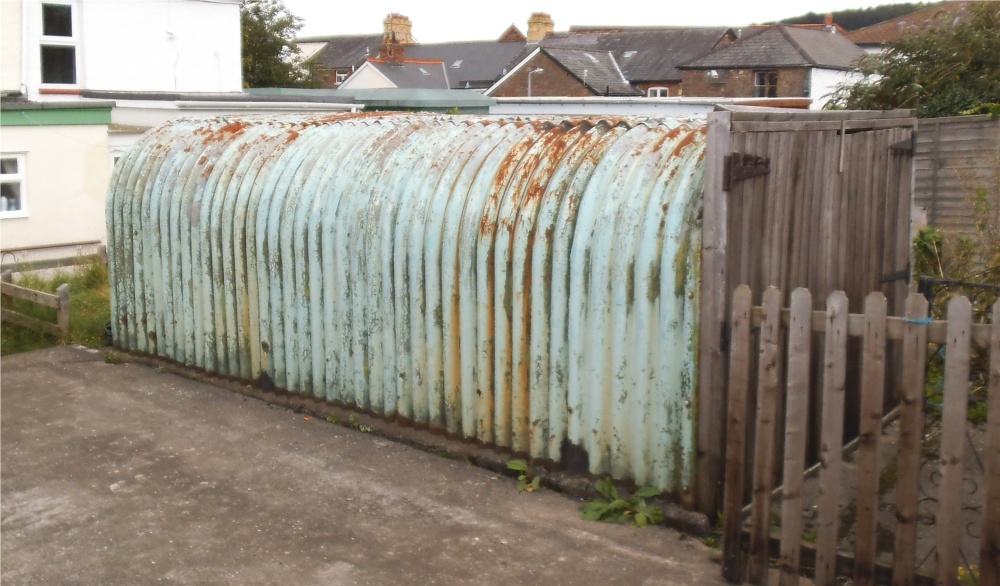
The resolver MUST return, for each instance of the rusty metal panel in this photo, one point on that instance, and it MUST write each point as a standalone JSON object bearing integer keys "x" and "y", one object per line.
{"x": 528, "y": 283}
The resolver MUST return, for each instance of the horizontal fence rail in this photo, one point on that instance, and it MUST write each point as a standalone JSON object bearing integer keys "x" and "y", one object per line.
{"x": 59, "y": 301}
{"x": 755, "y": 419}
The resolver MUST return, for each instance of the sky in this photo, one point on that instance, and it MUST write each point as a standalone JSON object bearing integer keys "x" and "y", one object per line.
{"x": 450, "y": 20}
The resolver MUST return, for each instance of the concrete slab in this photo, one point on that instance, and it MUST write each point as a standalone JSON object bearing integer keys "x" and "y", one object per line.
{"x": 126, "y": 474}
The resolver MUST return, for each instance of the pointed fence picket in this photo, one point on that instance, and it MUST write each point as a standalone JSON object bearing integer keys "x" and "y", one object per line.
{"x": 775, "y": 405}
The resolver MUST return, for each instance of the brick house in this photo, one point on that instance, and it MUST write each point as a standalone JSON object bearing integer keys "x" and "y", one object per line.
{"x": 775, "y": 62}
{"x": 575, "y": 73}
{"x": 468, "y": 65}
{"x": 649, "y": 56}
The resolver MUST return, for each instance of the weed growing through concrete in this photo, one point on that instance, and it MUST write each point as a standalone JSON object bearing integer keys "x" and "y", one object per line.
{"x": 113, "y": 358}
{"x": 526, "y": 482}
{"x": 613, "y": 507}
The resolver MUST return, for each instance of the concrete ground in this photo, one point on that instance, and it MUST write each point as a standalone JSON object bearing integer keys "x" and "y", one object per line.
{"x": 127, "y": 474}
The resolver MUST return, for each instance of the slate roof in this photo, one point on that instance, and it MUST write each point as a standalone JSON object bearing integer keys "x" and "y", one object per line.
{"x": 596, "y": 69}
{"x": 783, "y": 46}
{"x": 470, "y": 64}
{"x": 413, "y": 75}
{"x": 891, "y": 30}
{"x": 645, "y": 54}
{"x": 344, "y": 52}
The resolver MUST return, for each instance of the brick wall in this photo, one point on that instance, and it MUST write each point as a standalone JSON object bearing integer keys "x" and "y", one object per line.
{"x": 328, "y": 77}
{"x": 554, "y": 81}
{"x": 739, "y": 83}
{"x": 673, "y": 86}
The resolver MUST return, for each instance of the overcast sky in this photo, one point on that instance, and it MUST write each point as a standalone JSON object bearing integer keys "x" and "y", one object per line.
{"x": 451, "y": 20}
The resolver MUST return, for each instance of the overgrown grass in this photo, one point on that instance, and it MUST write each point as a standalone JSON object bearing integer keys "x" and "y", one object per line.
{"x": 89, "y": 310}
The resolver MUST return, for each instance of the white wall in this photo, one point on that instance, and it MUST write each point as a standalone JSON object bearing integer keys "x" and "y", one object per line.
{"x": 366, "y": 78}
{"x": 824, "y": 82}
{"x": 67, "y": 172}
{"x": 152, "y": 45}
{"x": 10, "y": 45}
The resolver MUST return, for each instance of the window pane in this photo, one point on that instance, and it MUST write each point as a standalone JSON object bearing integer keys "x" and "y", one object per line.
{"x": 8, "y": 166}
{"x": 57, "y": 20}
{"x": 11, "y": 197}
{"x": 58, "y": 64}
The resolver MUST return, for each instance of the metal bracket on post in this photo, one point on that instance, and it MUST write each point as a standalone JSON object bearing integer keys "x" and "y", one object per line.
{"x": 740, "y": 166}
{"x": 905, "y": 147}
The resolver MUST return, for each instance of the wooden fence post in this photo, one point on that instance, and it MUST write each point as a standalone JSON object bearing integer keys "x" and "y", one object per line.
{"x": 796, "y": 420}
{"x": 62, "y": 314}
{"x": 956, "y": 396}
{"x": 768, "y": 379}
{"x": 911, "y": 422}
{"x": 736, "y": 440}
{"x": 870, "y": 431}
{"x": 989, "y": 556}
{"x": 831, "y": 453}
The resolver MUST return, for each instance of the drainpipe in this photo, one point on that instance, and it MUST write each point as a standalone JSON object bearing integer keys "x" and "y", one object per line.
{"x": 530, "y": 73}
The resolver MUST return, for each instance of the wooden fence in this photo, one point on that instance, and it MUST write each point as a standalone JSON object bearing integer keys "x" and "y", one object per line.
{"x": 761, "y": 400}
{"x": 954, "y": 156}
{"x": 59, "y": 301}
{"x": 797, "y": 199}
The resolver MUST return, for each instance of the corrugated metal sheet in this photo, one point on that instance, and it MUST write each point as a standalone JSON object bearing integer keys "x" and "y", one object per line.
{"x": 531, "y": 284}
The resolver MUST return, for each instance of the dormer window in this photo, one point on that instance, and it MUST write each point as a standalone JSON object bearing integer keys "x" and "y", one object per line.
{"x": 57, "y": 49}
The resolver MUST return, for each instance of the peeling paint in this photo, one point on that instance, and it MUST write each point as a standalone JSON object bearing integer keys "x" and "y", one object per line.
{"x": 527, "y": 283}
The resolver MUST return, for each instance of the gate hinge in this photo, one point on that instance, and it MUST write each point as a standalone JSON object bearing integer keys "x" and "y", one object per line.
{"x": 740, "y": 166}
{"x": 905, "y": 147}
{"x": 901, "y": 275}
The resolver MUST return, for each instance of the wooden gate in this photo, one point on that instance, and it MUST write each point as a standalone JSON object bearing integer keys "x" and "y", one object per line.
{"x": 758, "y": 399}
{"x": 797, "y": 199}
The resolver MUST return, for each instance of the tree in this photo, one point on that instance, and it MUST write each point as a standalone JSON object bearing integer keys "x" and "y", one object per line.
{"x": 855, "y": 18}
{"x": 944, "y": 70}
{"x": 270, "y": 56}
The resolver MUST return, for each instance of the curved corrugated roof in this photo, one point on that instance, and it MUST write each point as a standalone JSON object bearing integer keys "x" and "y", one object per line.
{"x": 528, "y": 283}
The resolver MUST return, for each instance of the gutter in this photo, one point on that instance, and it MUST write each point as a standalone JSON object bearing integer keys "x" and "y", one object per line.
{"x": 279, "y": 106}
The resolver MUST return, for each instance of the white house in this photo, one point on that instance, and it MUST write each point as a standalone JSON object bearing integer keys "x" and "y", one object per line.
{"x": 80, "y": 80}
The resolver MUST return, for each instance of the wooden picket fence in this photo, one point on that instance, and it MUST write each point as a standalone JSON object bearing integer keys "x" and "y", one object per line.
{"x": 798, "y": 324}
{"x": 59, "y": 301}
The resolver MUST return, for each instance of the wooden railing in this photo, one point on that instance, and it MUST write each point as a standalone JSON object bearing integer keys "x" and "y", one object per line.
{"x": 773, "y": 363}
{"x": 59, "y": 301}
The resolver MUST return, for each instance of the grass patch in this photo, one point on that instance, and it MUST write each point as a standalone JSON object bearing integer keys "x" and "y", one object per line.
{"x": 89, "y": 310}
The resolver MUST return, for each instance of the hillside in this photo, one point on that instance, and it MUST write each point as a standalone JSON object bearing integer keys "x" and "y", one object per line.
{"x": 859, "y": 17}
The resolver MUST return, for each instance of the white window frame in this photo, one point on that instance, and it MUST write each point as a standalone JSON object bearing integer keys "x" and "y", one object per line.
{"x": 658, "y": 92}
{"x": 760, "y": 90}
{"x": 341, "y": 77}
{"x": 53, "y": 41}
{"x": 21, "y": 178}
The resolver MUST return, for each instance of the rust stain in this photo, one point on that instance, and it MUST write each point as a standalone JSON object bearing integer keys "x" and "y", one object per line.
{"x": 684, "y": 142}
{"x": 202, "y": 159}
{"x": 291, "y": 136}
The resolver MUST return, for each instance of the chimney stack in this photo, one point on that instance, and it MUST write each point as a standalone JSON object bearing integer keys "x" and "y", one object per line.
{"x": 829, "y": 19}
{"x": 398, "y": 27}
{"x": 539, "y": 25}
{"x": 395, "y": 36}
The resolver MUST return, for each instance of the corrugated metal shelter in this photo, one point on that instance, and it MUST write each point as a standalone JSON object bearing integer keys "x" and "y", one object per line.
{"x": 531, "y": 284}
